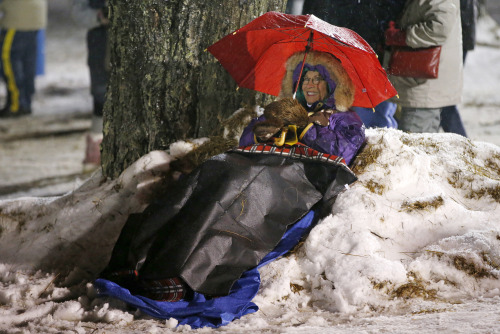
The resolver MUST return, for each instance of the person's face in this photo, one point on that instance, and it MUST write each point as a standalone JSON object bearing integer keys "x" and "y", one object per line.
{"x": 314, "y": 92}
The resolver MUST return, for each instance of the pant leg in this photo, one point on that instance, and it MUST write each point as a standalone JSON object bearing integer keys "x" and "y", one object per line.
{"x": 451, "y": 121}
{"x": 19, "y": 67}
{"x": 97, "y": 44}
{"x": 29, "y": 64}
{"x": 420, "y": 120}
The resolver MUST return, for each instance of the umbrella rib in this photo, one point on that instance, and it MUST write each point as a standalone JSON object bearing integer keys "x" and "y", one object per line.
{"x": 303, "y": 36}
{"x": 294, "y": 37}
{"x": 356, "y": 71}
{"x": 324, "y": 40}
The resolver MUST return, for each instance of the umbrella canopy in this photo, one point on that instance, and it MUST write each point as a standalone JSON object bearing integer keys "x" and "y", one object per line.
{"x": 255, "y": 55}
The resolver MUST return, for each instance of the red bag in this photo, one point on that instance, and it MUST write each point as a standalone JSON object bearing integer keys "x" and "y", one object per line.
{"x": 416, "y": 63}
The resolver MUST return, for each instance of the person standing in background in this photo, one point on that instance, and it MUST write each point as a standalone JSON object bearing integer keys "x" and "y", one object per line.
{"x": 368, "y": 18}
{"x": 20, "y": 22}
{"x": 427, "y": 23}
{"x": 98, "y": 62}
{"x": 450, "y": 116}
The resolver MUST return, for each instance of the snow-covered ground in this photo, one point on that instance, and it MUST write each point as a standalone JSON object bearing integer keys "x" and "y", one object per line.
{"x": 412, "y": 247}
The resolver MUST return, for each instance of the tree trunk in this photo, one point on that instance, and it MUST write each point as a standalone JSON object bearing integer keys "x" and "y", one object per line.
{"x": 164, "y": 86}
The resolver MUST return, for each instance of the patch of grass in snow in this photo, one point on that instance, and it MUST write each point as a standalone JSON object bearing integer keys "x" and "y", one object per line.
{"x": 493, "y": 192}
{"x": 460, "y": 179}
{"x": 381, "y": 285}
{"x": 486, "y": 257}
{"x": 375, "y": 187}
{"x": 418, "y": 205}
{"x": 428, "y": 145}
{"x": 493, "y": 164}
{"x": 367, "y": 155}
{"x": 15, "y": 217}
{"x": 468, "y": 266}
{"x": 415, "y": 288}
{"x": 296, "y": 288}
{"x": 432, "y": 310}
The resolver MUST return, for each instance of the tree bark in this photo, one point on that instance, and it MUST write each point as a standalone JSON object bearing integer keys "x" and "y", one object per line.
{"x": 164, "y": 86}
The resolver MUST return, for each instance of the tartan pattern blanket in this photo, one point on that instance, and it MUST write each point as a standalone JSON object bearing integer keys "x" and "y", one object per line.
{"x": 297, "y": 151}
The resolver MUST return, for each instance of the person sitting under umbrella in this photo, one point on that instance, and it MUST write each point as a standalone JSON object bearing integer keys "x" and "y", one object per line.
{"x": 229, "y": 213}
{"x": 326, "y": 92}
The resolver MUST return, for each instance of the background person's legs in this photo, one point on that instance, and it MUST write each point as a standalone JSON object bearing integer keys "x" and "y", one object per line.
{"x": 18, "y": 70}
{"x": 420, "y": 120}
{"x": 451, "y": 121}
{"x": 99, "y": 73}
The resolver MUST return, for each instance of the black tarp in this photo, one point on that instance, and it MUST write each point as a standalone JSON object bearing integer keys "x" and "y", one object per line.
{"x": 224, "y": 217}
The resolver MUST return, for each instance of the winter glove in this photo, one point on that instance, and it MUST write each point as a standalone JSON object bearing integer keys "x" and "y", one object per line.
{"x": 395, "y": 36}
{"x": 321, "y": 117}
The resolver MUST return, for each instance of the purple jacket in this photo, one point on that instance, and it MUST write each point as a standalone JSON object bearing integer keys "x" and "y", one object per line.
{"x": 343, "y": 136}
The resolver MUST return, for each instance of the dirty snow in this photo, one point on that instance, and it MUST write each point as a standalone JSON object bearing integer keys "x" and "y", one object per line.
{"x": 413, "y": 246}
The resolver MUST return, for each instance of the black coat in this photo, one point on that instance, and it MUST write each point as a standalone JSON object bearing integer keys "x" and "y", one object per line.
{"x": 468, "y": 15}
{"x": 225, "y": 217}
{"x": 369, "y": 18}
{"x": 97, "y": 4}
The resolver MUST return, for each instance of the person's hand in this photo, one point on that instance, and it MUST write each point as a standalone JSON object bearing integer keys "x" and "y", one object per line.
{"x": 321, "y": 117}
{"x": 395, "y": 36}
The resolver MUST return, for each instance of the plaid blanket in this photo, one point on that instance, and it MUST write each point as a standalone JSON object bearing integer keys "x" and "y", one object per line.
{"x": 297, "y": 151}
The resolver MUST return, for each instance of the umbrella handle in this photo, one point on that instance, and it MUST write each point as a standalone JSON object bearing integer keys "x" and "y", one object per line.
{"x": 308, "y": 47}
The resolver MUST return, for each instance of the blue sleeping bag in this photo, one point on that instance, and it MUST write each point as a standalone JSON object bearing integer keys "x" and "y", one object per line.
{"x": 213, "y": 312}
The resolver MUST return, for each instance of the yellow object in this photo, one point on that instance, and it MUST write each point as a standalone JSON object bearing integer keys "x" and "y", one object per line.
{"x": 9, "y": 73}
{"x": 305, "y": 130}
{"x": 281, "y": 140}
{"x": 291, "y": 133}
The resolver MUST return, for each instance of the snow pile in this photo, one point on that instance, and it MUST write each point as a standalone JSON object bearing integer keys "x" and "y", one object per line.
{"x": 419, "y": 230}
{"x": 421, "y": 222}
{"x": 78, "y": 230}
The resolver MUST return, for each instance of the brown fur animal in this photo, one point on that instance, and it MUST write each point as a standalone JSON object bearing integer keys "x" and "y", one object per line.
{"x": 280, "y": 114}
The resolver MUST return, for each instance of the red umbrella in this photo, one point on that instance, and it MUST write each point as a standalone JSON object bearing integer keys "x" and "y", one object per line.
{"x": 255, "y": 55}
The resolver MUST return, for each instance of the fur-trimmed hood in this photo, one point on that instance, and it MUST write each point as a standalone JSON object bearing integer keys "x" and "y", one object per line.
{"x": 344, "y": 90}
